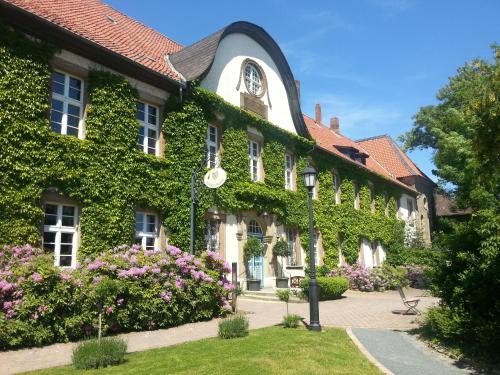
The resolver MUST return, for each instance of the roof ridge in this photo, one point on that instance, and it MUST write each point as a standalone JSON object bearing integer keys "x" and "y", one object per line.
{"x": 373, "y": 137}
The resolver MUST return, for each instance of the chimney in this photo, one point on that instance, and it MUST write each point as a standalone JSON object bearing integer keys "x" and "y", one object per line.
{"x": 318, "y": 114}
{"x": 335, "y": 125}
{"x": 297, "y": 86}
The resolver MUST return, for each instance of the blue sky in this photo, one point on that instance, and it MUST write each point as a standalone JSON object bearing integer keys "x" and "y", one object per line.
{"x": 372, "y": 63}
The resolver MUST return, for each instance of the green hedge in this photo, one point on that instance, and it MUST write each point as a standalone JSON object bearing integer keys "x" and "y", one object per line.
{"x": 329, "y": 287}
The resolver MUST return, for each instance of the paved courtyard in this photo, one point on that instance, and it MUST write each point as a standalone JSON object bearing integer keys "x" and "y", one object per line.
{"x": 356, "y": 309}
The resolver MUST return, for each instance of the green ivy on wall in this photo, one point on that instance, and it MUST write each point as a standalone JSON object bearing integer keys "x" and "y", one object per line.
{"x": 110, "y": 177}
{"x": 240, "y": 194}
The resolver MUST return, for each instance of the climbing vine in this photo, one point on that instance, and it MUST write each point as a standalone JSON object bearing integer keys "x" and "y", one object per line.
{"x": 240, "y": 194}
{"x": 110, "y": 177}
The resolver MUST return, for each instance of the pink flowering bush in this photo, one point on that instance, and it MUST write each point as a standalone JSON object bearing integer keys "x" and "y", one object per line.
{"x": 370, "y": 279}
{"x": 418, "y": 276}
{"x": 135, "y": 289}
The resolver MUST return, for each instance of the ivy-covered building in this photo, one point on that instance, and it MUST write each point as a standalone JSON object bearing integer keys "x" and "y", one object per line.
{"x": 103, "y": 120}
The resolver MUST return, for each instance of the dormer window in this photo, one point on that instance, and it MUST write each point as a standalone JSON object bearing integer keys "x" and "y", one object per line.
{"x": 254, "y": 79}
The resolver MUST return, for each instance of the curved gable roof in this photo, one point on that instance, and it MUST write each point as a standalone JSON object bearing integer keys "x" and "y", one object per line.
{"x": 195, "y": 61}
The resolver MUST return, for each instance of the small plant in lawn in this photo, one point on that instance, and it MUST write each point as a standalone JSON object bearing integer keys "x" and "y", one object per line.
{"x": 234, "y": 326}
{"x": 291, "y": 320}
{"x": 93, "y": 354}
{"x": 284, "y": 296}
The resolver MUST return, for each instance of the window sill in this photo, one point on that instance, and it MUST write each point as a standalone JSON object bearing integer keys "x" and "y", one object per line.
{"x": 294, "y": 267}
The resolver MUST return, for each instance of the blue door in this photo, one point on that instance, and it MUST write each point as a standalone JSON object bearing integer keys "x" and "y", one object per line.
{"x": 257, "y": 269}
{"x": 256, "y": 264}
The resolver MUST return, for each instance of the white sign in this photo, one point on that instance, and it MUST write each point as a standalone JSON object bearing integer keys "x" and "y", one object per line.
{"x": 215, "y": 178}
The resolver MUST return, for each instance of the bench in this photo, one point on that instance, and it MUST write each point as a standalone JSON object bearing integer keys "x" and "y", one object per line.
{"x": 410, "y": 304}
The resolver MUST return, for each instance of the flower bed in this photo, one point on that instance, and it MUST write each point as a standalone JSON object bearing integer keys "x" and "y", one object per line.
{"x": 135, "y": 289}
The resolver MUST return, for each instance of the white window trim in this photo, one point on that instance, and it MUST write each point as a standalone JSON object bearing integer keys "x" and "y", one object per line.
{"x": 336, "y": 186}
{"x": 293, "y": 241}
{"x": 356, "y": 195}
{"x": 254, "y": 159}
{"x": 143, "y": 234}
{"x": 215, "y": 144}
{"x": 373, "y": 197}
{"x": 67, "y": 100}
{"x": 289, "y": 161}
{"x": 316, "y": 249}
{"x": 217, "y": 235}
{"x": 254, "y": 80}
{"x": 58, "y": 229}
{"x": 147, "y": 126}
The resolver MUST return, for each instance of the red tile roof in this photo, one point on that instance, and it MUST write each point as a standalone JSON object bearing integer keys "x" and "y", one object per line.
{"x": 327, "y": 139}
{"x": 390, "y": 155}
{"x": 103, "y": 25}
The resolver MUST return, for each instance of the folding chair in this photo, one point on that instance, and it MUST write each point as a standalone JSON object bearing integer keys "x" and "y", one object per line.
{"x": 411, "y": 304}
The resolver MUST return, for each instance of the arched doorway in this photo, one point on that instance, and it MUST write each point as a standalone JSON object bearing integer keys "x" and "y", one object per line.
{"x": 256, "y": 264}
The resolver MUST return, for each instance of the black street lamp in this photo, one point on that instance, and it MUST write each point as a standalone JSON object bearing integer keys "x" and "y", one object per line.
{"x": 309, "y": 175}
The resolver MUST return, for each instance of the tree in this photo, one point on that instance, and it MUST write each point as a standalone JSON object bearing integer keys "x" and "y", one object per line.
{"x": 463, "y": 132}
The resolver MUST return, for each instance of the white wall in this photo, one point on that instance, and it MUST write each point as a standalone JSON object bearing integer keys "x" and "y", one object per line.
{"x": 366, "y": 254}
{"x": 403, "y": 207}
{"x": 379, "y": 256}
{"x": 231, "y": 242}
{"x": 225, "y": 71}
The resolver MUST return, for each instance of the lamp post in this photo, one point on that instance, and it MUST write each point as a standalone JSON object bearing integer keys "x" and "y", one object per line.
{"x": 309, "y": 175}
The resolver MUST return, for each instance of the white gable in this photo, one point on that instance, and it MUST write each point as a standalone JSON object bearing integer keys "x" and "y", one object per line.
{"x": 224, "y": 75}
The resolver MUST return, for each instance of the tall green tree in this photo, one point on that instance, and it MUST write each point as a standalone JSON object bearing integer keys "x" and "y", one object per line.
{"x": 463, "y": 131}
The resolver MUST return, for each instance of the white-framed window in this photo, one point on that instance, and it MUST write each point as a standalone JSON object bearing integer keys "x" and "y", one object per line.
{"x": 60, "y": 233}
{"x": 212, "y": 242}
{"x": 372, "y": 197}
{"x": 336, "y": 186}
{"x": 409, "y": 205}
{"x": 253, "y": 158}
{"x": 146, "y": 229}
{"x": 315, "y": 189}
{"x": 288, "y": 172}
{"x": 316, "y": 249}
{"x": 356, "y": 195}
{"x": 291, "y": 237}
{"x": 66, "y": 104}
{"x": 340, "y": 242}
{"x": 212, "y": 144}
{"x": 253, "y": 79}
{"x": 149, "y": 131}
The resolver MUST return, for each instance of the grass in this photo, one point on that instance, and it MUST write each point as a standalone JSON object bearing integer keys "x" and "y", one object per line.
{"x": 265, "y": 351}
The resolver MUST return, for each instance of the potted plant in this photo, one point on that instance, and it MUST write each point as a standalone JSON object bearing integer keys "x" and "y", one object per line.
{"x": 281, "y": 250}
{"x": 253, "y": 248}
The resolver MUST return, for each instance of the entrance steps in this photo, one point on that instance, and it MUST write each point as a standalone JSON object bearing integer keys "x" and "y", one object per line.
{"x": 268, "y": 294}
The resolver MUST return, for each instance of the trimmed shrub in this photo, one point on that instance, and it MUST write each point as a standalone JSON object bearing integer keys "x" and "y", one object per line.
{"x": 92, "y": 354}
{"x": 329, "y": 287}
{"x": 134, "y": 289}
{"x": 234, "y": 326}
{"x": 291, "y": 320}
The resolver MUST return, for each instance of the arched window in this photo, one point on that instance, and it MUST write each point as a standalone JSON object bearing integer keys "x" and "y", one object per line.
{"x": 254, "y": 80}
{"x": 254, "y": 229}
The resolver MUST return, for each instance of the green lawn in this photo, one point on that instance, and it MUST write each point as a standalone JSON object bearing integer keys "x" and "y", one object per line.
{"x": 272, "y": 350}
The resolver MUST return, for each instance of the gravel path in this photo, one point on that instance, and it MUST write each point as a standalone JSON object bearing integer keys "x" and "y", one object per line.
{"x": 402, "y": 354}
